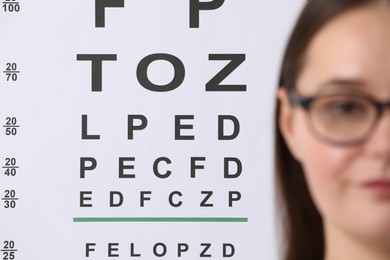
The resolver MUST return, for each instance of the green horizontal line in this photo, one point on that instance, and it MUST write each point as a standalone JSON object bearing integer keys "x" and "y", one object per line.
{"x": 161, "y": 219}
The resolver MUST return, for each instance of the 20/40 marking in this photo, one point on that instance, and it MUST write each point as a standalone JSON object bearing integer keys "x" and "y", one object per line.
{"x": 10, "y": 167}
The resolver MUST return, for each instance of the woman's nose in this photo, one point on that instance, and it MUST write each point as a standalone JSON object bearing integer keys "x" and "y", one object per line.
{"x": 379, "y": 142}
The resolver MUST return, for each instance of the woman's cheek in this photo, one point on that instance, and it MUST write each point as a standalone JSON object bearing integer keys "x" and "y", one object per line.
{"x": 327, "y": 168}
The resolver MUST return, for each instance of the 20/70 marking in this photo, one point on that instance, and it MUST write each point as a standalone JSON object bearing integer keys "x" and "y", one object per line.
{"x": 11, "y": 71}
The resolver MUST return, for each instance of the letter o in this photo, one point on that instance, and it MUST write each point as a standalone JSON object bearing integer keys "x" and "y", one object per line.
{"x": 164, "y": 249}
{"x": 142, "y": 72}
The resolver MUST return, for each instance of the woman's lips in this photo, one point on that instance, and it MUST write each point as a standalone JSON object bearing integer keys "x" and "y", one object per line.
{"x": 379, "y": 187}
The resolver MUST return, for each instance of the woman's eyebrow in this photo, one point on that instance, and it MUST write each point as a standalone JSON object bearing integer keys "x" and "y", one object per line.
{"x": 344, "y": 82}
{"x": 341, "y": 84}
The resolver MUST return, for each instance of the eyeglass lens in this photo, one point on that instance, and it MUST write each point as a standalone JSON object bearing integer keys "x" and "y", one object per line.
{"x": 342, "y": 119}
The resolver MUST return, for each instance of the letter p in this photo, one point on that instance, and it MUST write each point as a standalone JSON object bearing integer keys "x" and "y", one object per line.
{"x": 196, "y": 6}
{"x": 100, "y": 7}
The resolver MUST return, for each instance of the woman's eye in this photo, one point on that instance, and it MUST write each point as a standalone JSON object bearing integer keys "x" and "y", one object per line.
{"x": 346, "y": 107}
{"x": 342, "y": 107}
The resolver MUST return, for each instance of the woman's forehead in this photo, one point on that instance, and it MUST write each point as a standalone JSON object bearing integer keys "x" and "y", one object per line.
{"x": 354, "y": 46}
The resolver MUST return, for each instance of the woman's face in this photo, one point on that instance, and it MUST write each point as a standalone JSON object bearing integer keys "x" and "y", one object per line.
{"x": 353, "y": 48}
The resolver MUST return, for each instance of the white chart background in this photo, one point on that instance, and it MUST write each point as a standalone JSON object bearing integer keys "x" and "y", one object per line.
{"x": 53, "y": 91}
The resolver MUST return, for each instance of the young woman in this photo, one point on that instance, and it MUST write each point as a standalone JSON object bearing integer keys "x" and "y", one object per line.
{"x": 333, "y": 133}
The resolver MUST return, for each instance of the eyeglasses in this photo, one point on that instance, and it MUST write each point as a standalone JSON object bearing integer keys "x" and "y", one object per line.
{"x": 341, "y": 119}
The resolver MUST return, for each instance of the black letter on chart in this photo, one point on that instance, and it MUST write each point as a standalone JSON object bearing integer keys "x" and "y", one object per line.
{"x": 119, "y": 195}
{"x": 143, "y": 198}
{"x": 181, "y": 248}
{"x": 84, "y": 130}
{"x": 196, "y": 6}
{"x": 123, "y": 167}
{"x": 235, "y": 61}
{"x": 204, "y": 201}
{"x": 195, "y": 166}
{"x": 226, "y": 170}
{"x": 89, "y": 249}
{"x": 234, "y": 196}
{"x": 84, "y": 198}
{"x": 164, "y": 249}
{"x": 155, "y": 168}
{"x": 179, "y": 127}
{"x": 178, "y": 204}
{"x": 206, "y": 247}
{"x": 112, "y": 249}
{"x": 131, "y": 126}
{"x": 84, "y": 167}
{"x": 97, "y": 61}
{"x": 142, "y": 72}
{"x": 225, "y": 250}
{"x": 221, "y": 128}
{"x": 100, "y": 6}
{"x": 132, "y": 251}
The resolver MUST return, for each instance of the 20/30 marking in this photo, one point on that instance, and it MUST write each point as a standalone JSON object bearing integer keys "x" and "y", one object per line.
{"x": 10, "y": 199}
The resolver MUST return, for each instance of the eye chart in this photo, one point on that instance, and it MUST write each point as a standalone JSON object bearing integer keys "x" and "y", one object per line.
{"x": 139, "y": 129}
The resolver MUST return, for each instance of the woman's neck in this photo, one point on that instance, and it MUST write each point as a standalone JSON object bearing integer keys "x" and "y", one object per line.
{"x": 340, "y": 245}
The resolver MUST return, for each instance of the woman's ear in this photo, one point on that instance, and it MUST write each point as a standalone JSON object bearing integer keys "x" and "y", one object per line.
{"x": 285, "y": 121}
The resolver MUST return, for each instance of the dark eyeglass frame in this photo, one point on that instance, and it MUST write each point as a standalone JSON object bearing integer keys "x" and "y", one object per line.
{"x": 306, "y": 102}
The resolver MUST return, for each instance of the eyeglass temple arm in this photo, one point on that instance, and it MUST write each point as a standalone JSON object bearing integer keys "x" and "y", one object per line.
{"x": 380, "y": 106}
{"x": 384, "y": 104}
{"x": 297, "y": 100}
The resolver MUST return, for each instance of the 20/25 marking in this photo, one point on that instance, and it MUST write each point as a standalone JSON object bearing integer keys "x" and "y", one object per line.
{"x": 9, "y": 250}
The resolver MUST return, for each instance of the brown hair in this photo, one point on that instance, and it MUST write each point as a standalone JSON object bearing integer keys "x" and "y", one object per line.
{"x": 303, "y": 234}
